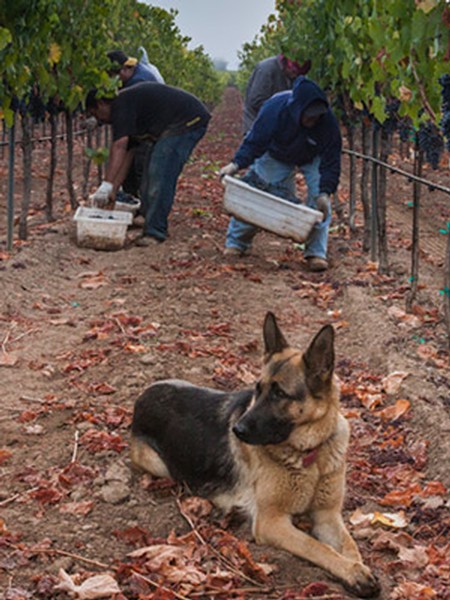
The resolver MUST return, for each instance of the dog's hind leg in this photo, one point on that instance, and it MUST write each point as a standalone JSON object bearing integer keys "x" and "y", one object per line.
{"x": 271, "y": 527}
{"x": 143, "y": 456}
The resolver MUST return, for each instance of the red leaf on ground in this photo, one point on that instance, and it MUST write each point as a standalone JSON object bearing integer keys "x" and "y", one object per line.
{"x": 104, "y": 388}
{"x": 27, "y": 415}
{"x": 401, "y": 497}
{"x": 76, "y": 473}
{"x": 4, "y": 456}
{"x": 136, "y": 536}
{"x": 47, "y": 495}
{"x": 97, "y": 441}
{"x": 433, "y": 488}
{"x": 77, "y": 508}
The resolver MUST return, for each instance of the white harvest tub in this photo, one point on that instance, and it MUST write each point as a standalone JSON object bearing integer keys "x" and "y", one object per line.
{"x": 101, "y": 229}
{"x": 268, "y": 211}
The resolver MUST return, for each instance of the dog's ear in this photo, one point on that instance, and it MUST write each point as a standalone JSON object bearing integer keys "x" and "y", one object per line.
{"x": 319, "y": 360}
{"x": 274, "y": 340}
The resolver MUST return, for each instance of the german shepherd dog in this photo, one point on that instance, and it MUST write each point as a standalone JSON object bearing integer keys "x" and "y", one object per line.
{"x": 275, "y": 451}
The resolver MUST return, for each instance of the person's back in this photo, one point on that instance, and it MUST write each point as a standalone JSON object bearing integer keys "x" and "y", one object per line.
{"x": 141, "y": 74}
{"x": 153, "y": 68}
{"x": 270, "y": 76}
{"x": 131, "y": 71}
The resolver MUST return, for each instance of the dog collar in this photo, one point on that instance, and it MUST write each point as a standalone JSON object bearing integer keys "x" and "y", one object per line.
{"x": 310, "y": 457}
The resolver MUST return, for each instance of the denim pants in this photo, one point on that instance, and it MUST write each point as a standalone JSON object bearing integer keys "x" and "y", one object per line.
{"x": 163, "y": 165}
{"x": 240, "y": 235}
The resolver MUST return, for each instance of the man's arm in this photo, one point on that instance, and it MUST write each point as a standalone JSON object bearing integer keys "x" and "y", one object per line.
{"x": 120, "y": 158}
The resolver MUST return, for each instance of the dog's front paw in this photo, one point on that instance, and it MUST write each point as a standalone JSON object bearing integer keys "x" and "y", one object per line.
{"x": 362, "y": 582}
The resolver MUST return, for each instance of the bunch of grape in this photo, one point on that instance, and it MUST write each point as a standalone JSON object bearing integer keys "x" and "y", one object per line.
{"x": 391, "y": 109}
{"x": 430, "y": 142}
{"x": 444, "y": 80}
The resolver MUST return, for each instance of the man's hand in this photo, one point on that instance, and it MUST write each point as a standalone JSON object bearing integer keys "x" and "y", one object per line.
{"x": 323, "y": 203}
{"x": 230, "y": 169}
{"x": 103, "y": 195}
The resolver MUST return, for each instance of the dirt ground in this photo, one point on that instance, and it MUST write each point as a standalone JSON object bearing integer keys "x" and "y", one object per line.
{"x": 83, "y": 332}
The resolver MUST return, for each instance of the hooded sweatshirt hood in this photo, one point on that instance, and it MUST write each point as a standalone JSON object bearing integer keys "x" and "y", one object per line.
{"x": 279, "y": 131}
{"x": 304, "y": 93}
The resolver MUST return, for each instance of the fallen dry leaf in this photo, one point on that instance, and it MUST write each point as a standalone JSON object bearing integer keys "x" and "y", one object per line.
{"x": 395, "y": 520}
{"x": 391, "y": 413}
{"x": 417, "y": 556}
{"x": 401, "y": 497}
{"x": 392, "y": 383}
{"x": 398, "y": 313}
{"x": 77, "y": 508}
{"x": 195, "y": 507}
{"x": 4, "y": 455}
{"x": 412, "y": 591}
{"x": 370, "y": 400}
{"x": 93, "y": 284}
{"x": 99, "y": 586}
{"x": 8, "y": 359}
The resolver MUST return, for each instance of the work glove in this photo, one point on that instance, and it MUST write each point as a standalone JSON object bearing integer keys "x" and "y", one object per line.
{"x": 90, "y": 123}
{"x": 103, "y": 195}
{"x": 230, "y": 169}
{"x": 323, "y": 203}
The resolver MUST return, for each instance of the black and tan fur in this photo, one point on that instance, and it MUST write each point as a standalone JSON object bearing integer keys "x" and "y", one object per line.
{"x": 275, "y": 451}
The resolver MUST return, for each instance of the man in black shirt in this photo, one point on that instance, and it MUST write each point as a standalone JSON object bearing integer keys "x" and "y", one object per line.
{"x": 174, "y": 120}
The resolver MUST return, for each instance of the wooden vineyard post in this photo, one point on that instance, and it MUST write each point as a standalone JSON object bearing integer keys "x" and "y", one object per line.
{"x": 52, "y": 168}
{"x": 365, "y": 171}
{"x": 414, "y": 278}
{"x": 10, "y": 214}
{"x": 383, "y": 266}
{"x": 27, "y": 149}
{"x": 446, "y": 290}
{"x": 374, "y": 200}
{"x": 352, "y": 190}
{"x": 69, "y": 145}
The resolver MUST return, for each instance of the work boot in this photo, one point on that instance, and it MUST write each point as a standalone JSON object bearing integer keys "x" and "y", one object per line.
{"x": 316, "y": 264}
{"x": 148, "y": 240}
{"x": 232, "y": 251}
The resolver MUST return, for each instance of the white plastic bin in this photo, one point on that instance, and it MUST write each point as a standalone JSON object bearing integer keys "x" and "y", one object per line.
{"x": 127, "y": 204}
{"x": 101, "y": 229}
{"x": 268, "y": 211}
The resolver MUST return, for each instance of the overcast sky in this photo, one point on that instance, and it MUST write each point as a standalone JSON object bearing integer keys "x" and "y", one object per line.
{"x": 220, "y": 26}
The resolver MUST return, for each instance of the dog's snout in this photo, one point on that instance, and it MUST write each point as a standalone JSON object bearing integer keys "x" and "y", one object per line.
{"x": 240, "y": 430}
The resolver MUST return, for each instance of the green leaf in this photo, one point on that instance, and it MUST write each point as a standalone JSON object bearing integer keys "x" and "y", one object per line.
{"x": 5, "y": 37}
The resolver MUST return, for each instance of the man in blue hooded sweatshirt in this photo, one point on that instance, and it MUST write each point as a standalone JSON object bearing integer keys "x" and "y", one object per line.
{"x": 294, "y": 130}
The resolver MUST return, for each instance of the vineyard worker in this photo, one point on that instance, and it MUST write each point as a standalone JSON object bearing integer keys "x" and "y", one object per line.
{"x": 270, "y": 76}
{"x": 294, "y": 129}
{"x": 174, "y": 120}
{"x": 131, "y": 71}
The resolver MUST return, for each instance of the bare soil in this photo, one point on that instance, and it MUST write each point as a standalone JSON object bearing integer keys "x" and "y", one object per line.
{"x": 83, "y": 332}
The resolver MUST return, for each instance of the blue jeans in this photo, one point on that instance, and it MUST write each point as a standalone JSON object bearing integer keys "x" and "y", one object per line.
{"x": 163, "y": 165}
{"x": 240, "y": 235}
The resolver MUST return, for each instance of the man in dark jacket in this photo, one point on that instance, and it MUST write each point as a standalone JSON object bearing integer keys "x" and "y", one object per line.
{"x": 131, "y": 71}
{"x": 294, "y": 129}
{"x": 170, "y": 117}
{"x": 270, "y": 76}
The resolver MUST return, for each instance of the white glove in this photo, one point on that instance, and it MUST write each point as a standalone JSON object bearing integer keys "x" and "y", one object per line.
{"x": 101, "y": 197}
{"x": 230, "y": 169}
{"x": 90, "y": 123}
{"x": 323, "y": 203}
